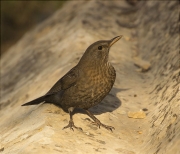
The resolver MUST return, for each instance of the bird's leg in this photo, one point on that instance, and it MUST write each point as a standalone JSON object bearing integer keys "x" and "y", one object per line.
{"x": 71, "y": 122}
{"x": 97, "y": 122}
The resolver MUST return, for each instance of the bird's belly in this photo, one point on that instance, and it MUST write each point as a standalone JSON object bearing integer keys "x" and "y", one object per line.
{"x": 87, "y": 93}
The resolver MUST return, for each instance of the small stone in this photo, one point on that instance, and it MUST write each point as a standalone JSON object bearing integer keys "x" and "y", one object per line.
{"x": 140, "y": 132}
{"x": 136, "y": 115}
{"x": 2, "y": 149}
{"x": 145, "y": 109}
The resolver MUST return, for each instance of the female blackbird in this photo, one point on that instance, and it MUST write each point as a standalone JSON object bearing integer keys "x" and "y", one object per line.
{"x": 86, "y": 84}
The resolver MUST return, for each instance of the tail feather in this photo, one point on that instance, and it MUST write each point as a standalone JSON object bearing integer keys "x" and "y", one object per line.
{"x": 35, "y": 101}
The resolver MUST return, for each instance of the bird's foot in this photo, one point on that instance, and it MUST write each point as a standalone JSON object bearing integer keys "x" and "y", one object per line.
{"x": 99, "y": 124}
{"x": 71, "y": 126}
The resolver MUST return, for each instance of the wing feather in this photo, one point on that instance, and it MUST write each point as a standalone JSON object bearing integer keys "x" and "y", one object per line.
{"x": 69, "y": 79}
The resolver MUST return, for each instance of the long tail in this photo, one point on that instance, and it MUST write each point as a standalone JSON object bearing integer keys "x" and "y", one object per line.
{"x": 35, "y": 101}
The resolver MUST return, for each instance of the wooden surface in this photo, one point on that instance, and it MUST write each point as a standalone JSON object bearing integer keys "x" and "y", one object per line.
{"x": 46, "y": 53}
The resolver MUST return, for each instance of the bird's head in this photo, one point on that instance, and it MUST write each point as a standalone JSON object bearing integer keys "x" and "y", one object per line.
{"x": 98, "y": 52}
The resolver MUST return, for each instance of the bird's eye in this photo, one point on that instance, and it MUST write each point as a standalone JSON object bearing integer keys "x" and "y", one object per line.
{"x": 99, "y": 47}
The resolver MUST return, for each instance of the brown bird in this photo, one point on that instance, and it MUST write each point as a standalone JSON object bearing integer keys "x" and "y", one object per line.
{"x": 86, "y": 84}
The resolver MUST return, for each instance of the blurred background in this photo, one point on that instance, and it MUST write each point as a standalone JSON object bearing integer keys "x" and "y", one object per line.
{"x": 17, "y": 17}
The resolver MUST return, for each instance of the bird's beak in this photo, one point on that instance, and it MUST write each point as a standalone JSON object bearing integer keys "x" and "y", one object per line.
{"x": 114, "y": 40}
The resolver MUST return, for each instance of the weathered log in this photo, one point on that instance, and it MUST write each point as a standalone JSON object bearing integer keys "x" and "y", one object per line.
{"x": 46, "y": 53}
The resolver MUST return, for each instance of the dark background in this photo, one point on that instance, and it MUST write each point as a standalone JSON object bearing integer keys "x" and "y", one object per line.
{"x": 17, "y": 17}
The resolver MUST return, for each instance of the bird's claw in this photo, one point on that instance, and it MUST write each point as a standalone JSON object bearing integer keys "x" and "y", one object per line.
{"x": 71, "y": 126}
{"x": 109, "y": 128}
{"x": 99, "y": 124}
{"x": 94, "y": 123}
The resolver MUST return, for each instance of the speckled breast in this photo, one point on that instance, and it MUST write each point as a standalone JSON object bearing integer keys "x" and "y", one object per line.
{"x": 90, "y": 89}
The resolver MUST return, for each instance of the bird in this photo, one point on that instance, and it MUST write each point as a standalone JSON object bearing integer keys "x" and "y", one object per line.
{"x": 85, "y": 85}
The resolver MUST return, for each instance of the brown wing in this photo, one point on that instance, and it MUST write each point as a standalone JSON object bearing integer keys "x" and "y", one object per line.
{"x": 65, "y": 82}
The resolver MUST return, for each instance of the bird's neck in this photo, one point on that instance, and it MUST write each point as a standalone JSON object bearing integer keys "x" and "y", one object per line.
{"x": 97, "y": 66}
